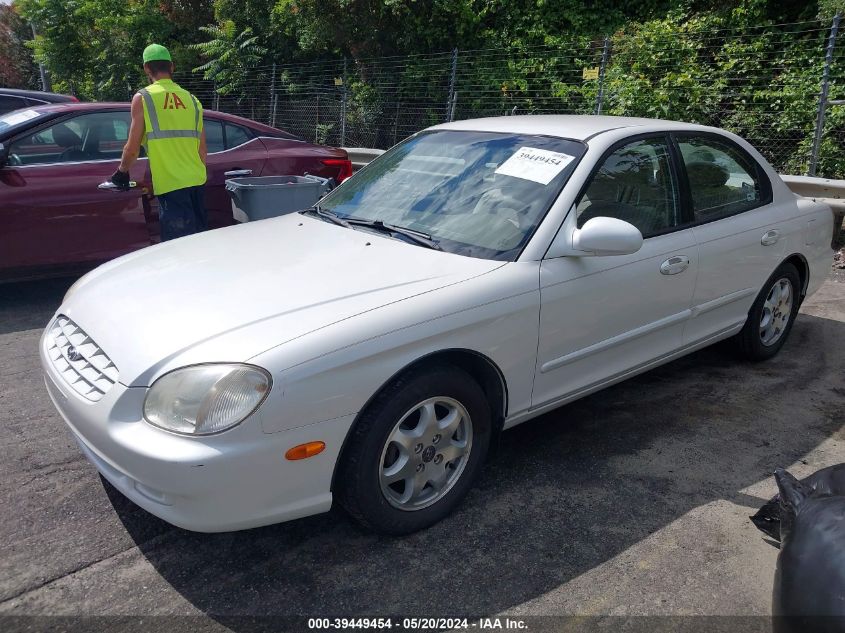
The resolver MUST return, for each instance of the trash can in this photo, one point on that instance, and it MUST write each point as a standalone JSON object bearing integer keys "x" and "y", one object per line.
{"x": 261, "y": 197}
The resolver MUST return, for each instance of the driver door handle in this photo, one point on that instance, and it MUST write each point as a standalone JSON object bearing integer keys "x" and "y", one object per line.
{"x": 110, "y": 186}
{"x": 238, "y": 172}
{"x": 674, "y": 265}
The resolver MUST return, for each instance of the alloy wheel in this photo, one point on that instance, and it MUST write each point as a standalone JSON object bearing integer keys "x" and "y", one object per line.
{"x": 777, "y": 310}
{"x": 425, "y": 453}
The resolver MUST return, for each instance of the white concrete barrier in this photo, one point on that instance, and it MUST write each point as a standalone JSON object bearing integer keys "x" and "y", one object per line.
{"x": 360, "y": 156}
{"x": 827, "y": 191}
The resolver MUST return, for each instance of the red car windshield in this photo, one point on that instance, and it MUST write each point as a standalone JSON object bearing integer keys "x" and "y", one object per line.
{"x": 10, "y": 122}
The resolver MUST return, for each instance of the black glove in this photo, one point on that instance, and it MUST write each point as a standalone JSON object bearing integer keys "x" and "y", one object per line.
{"x": 121, "y": 180}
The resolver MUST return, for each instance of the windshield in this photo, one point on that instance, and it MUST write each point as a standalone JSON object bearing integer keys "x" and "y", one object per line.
{"x": 17, "y": 119}
{"x": 479, "y": 194}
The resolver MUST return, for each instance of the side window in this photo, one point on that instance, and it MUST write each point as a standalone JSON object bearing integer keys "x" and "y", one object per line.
{"x": 97, "y": 136}
{"x": 723, "y": 179}
{"x": 213, "y": 136}
{"x": 636, "y": 184}
{"x": 236, "y": 135}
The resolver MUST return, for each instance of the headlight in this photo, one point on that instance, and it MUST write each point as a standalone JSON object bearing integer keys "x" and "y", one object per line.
{"x": 206, "y": 399}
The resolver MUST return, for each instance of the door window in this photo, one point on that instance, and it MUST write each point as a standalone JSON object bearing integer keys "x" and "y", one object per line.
{"x": 213, "y": 136}
{"x": 236, "y": 135}
{"x": 96, "y": 136}
{"x": 636, "y": 184}
{"x": 723, "y": 179}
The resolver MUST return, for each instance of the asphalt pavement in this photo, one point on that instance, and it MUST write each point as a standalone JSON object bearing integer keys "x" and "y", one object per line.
{"x": 633, "y": 501}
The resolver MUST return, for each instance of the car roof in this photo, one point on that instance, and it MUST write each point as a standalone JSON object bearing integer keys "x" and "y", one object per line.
{"x": 36, "y": 94}
{"x": 61, "y": 108}
{"x": 579, "y": 127}
{"x": 78, "y": 107}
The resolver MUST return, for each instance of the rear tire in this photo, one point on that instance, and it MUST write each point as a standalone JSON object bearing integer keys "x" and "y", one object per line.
{"x": 415, "y": 451}
{"x": 772, "y": 315}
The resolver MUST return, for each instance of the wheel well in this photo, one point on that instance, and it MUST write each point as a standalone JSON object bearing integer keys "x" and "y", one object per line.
{"x": 485, "y": 372}
{"x": 803, "y": 270}
{"x": 482, "y": 369}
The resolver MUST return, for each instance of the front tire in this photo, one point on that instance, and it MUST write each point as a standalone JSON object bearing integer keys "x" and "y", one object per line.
{"x": 415, "y": 451}
{"x": 772, "y": 315}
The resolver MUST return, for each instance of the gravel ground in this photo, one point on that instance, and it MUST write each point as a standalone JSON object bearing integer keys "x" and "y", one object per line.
{"x": 633, "y": 501}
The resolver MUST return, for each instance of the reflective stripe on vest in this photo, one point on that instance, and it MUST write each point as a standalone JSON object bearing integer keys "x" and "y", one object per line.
{"x": 157, "y": 132}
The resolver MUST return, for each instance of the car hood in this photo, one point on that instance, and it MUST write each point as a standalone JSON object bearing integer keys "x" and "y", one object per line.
{"x": 229, "y": 294}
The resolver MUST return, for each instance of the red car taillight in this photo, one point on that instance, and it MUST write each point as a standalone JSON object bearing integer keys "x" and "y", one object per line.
{"x": 345, "y": 166}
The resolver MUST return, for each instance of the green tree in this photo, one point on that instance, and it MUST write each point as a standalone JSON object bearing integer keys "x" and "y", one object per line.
{"x": 231, "y": 55}
{"x": 372, "y": 28}
{"x": 93, "y": 47}
{"x": 17, "y": 69}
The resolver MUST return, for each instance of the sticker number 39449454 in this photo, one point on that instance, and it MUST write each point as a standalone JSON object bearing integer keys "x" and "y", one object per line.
{"x": 538, "y": 165}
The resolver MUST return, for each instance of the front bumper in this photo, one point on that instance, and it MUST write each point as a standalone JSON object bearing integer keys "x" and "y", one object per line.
{"x": 236, "y": 480}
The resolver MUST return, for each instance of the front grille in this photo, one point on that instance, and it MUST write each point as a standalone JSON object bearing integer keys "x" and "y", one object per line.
{"x": 88, "y": 371}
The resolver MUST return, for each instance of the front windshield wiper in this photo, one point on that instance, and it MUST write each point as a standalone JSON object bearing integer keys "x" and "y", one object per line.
{"x": 418, "y": 237}
{"x": 423, "y": 239}
{"x": 326, "y": 215}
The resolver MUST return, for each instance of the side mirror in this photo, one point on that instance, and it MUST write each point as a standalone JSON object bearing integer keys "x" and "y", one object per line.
{"x": 598, "y": 236}
{"x": 4, "y": 155}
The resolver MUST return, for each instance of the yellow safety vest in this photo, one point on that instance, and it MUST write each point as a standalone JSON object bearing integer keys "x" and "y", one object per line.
{"x": 173, "y": 123}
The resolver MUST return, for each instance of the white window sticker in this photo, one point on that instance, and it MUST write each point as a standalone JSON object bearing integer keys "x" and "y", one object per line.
{"x": 18, "y": 116}
{"x": 538, "y": 165}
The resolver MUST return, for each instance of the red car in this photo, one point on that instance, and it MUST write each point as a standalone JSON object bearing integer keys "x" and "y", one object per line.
{"x": 53, "y": 218}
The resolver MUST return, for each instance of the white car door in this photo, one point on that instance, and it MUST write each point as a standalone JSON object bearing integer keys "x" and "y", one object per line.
{"x": 602, "y": 317}
{"x": 739, "y": 230}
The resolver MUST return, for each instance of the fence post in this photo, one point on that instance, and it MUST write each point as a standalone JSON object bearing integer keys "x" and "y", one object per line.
{"x": 343, "y": 107}
{"x": 396, "y": 120}
{"x": 450, "y": 103}
{"x": 273, "y": 97}
{"x": 600, "y": 95}
{"x": 828, "y": 59}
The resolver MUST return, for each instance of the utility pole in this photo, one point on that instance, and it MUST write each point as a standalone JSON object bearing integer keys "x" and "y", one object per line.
{"x": 45, "y": 78}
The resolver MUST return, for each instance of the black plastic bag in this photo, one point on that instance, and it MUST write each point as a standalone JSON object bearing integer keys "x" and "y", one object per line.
{"x": 826, "y": 482}
{"x": 809, "y": 587}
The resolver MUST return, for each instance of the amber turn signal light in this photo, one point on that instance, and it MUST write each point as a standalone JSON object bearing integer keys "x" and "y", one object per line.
{"x": 304, "y": 451}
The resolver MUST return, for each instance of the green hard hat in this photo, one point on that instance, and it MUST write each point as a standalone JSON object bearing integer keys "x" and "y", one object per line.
{"x": 156, "y": 52}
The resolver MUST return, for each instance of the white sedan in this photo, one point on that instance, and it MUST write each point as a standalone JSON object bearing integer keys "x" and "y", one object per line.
{"x": 371, "y": 349}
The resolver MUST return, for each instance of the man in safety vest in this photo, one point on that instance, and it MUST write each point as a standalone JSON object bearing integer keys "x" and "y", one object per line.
{"x": 167, "y": 120}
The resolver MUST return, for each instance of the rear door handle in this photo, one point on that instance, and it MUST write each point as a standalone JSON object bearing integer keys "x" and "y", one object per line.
{"x": 238, "y": 172}
{"x": 674, "y": 265}
{"x": 770, "y": 237}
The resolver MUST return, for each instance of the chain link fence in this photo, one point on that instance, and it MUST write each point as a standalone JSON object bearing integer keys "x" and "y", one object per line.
{"x": 777, "y": 86}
